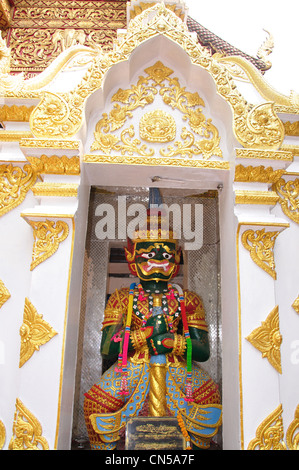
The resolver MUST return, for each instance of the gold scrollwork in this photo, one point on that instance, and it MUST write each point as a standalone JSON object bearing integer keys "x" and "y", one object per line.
{"x": 288, "y": 192}
{"x": 269, "y": 434}
{"x": 34, "y": 332}
{"x": 267, "y": 339}
{"x": 15, "y": 182}
{"x": 292, "y": 434}
{"x": 260, "y": 245}
{"x": 157, "y": 125}
{"x": 4, "y": 293}
{"x": 27, "y": 430}
{"x": 47, "y": 237}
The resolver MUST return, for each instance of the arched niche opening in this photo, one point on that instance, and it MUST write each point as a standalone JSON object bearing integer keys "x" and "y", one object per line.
{"x": 209, "y": 270}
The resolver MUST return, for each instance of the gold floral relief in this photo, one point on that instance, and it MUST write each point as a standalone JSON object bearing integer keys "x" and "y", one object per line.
{"x": 15, "y": 182}
{"x": 27, "y": 430}
{"x": 292, "y": 434}
{"x": 269, "y": 434}
{"x": 199, "y": 137}
{"x": 260, "y": 245}
{"x": 48, "y": 235}
{"x": 34, "y": 332}
{"x": 2, "y": 435}
{"x": 4, "y": 293}
{"x": 288, "y": 192}
{"x": 267, "y": 339}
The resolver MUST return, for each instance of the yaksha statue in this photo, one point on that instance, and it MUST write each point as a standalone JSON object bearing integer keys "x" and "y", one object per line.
{"x": 154, "y": 331}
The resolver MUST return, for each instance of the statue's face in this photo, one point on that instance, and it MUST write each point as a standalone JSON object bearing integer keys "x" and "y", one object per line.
{"x": 156, "y": 260}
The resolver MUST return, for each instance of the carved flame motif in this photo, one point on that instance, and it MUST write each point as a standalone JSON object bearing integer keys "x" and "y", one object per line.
{"x": 15, "y": 182}
{"x": 260, "y": 245}
{"x": 34, "y": 332}
{"x": 269, "y": 434}
{"x": 27, "y": 431}
{"x": 47, "y": 237}
{"x": 267, "y": 339}
{"x": 288, "y": 192}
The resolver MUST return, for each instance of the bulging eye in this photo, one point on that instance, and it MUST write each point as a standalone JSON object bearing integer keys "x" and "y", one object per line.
{"x": 148, "y": 255}
{"x": 167, "y": 255}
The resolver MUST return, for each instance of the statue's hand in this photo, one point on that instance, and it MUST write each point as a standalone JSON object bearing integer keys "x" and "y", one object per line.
{"x": 157, "y": 324}
{"x": 160, "y": 344}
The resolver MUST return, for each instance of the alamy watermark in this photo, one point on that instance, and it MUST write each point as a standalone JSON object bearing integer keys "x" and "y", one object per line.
{"x": 122, "y": 221}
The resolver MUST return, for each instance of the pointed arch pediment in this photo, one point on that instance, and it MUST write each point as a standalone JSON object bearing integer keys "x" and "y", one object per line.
{"x": 61, "y": 115}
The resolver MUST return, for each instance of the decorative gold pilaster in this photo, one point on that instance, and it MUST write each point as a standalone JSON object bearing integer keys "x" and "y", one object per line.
{"x": 288, "y": 192}
{"x": 292, "y": 434}
{"x": 267, "y": 339}
{"x": 48, "y": 234}
{"x": 260, "y": 245}
{"x": 15, "y": 182}
{"x": 4, "y": 293}
{"x": 269, "y": 434}
{"x": 34, "y": 332}
{"x": 27, "y": 431}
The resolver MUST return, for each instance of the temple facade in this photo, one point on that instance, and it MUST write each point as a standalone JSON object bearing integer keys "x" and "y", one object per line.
{"x": 100, "y": 101}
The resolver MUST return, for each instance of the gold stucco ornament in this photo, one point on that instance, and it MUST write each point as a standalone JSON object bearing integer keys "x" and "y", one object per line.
{"x": 267, "y": 339}
{"x": 27, "y": 430}
{"x": 269, "y": 434}
{"x": 34, "y": 332}
{"x": 15, "y": 182}
{"x": 198, "y": 137}
{"x": 260, "y": 245}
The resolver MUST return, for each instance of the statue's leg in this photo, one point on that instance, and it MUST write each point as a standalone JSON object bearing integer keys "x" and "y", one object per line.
{"x": 104, "y": 398}
{"x": 205, "y": 393}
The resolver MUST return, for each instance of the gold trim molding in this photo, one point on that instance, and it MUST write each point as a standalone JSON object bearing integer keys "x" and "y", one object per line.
{"x": 14, "y": 136}
{"x": 292, "y": 434}
{"x": 269, "y": 434}
{"x": 55, "y": 189}
{"x": 256, "y": 154}
{"x": 260, "y": 244}
{"x": 156, "y": 161}
{"x": 288, "y": 194}
{"x": 27, "y": 430}
{"x": 256, "y": 197}
{"x": 4, "y": 293}
{"x": 61, "y": 115}
{"x": 15, "y": 182}
{"x": 48, "y": 235}
{"x": 50, "y": 143}
{"x": 267, "y": 339}
{"x": 34, "y": 332}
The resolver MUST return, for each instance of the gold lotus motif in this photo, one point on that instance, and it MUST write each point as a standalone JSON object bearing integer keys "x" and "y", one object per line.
{"x": 157, "y": 126}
